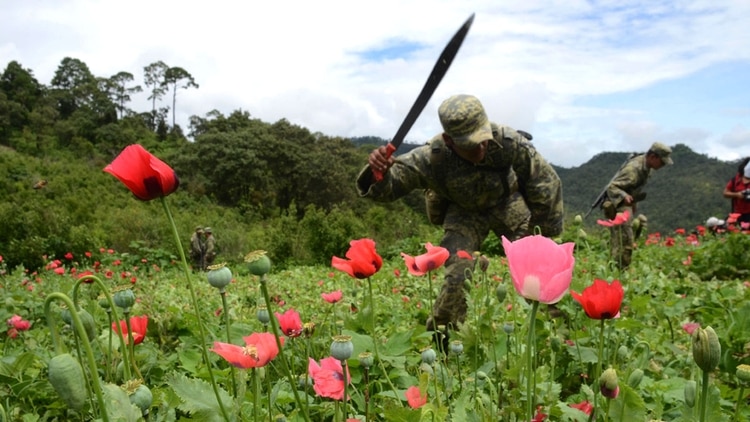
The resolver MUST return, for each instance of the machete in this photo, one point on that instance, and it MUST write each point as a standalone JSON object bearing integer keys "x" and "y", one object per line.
{"x": 440, "y": 69}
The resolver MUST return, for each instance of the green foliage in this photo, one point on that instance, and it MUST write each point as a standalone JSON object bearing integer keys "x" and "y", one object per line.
{"x": 724, "y": 259}
{"x": 198, "y": 398}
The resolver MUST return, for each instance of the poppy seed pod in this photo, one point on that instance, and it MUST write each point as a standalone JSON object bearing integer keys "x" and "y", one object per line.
{"x": 262, "y": 314}
{"x": 342, "y": 347}
{"x": 428, "y": 355}
{"x": 457, "y": 347}
{"x": 124, "y": 298}
{"x": 366, "y": 360}
{"x": 706, "y": 348}
{"x": 258, "y": 263}
{"x": 219, "y": 276}
{"x": 743, "y": 373}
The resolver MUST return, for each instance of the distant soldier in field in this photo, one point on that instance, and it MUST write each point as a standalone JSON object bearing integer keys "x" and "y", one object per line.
{"x": 477, "y": 176}
{"x": 197, "y": 250}
{"x": 625, "y": 191}
{"x": 210, "y": 248}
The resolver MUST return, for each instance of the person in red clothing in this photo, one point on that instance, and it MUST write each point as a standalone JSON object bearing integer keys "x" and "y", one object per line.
{"x": 738, "y": 190}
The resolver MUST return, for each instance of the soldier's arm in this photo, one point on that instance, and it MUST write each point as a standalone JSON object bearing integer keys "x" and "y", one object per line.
{"x": 408, "y": 172}
{"x": 624, "y": 181}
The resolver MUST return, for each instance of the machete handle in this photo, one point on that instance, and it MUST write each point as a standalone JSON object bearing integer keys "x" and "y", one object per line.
{"x": 389, "y": 149}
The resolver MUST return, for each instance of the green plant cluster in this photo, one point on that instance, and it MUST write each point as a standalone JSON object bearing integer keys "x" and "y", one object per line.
{"x": 647, "y": 345}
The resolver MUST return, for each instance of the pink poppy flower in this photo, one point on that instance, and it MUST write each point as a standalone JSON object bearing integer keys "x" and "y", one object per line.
{"x": 362, "y": 259}
{"x": 690, "y": 327}
{"x": 415, "y": 397}
{"x": 432, "y": 260}
{"x": 328, "y": 377}
{"x": 290, "y": 323}
{"x": 332, "y": 297}
{"x": 619, "y": 219}
{"x": 259, "y": 349}
{"x": 540, "y": 268}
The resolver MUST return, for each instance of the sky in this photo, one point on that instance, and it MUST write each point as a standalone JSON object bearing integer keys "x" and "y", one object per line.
{"x": 583, "y": 77}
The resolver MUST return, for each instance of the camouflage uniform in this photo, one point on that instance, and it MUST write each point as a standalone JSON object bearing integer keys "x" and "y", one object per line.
{"x": 630, "y": 180}
{"x": 197, "y": 248}
{"x": 477, "y": 197}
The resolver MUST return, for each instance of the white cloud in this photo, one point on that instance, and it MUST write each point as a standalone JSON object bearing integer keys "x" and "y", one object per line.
{"x": 531, "y": 64}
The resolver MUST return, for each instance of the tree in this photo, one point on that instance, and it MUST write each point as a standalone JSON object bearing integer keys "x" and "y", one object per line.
{"x": 172, "y": 78}
{"x": 153, "y": 76}
{"x": 73, "y": 85}
{"x": 19, "y": 94}
{"x": 122, "y": 91}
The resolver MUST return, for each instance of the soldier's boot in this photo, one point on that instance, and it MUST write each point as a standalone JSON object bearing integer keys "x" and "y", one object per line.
{"x": 610, "y": 211}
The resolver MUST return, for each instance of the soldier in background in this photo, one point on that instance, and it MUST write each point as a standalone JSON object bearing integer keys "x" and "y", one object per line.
{"x": 625, "y": 191}
{"x": 478, "y": 176}
{"x": 210, "y": 248}
{"x": 197, "y": 248}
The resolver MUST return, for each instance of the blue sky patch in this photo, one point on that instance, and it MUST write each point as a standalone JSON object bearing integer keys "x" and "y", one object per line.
{"x": 393, "y": 49}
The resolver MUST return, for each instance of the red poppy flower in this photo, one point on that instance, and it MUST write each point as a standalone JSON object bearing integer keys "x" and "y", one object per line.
{"x": 601, "y": 300}
{"x": 18, "y": 323}
{"x": 145, "y": 175}
{"x": 415, "y": 398}
{"x": 290, "y": 323}
{"x": 260, "y": 348}
{"x": 363, "y": 260}
{"x": 464, "y": 255}
{"x": 328, "y": 377}
{"x": 584, "y": 406}
{"x": 332, "y": 297}
{"x": 138, "y": 324}
{"x": 432, "y": 260}
{"x": 621, "y": 218}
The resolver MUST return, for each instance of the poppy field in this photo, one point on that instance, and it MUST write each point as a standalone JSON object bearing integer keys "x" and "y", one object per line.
{"x": 554, "y": 332}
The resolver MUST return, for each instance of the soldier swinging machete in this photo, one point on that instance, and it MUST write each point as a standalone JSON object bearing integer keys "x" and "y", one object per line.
{"x": 438, "y": 71}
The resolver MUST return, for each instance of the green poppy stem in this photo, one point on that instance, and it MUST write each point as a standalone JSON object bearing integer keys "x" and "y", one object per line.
{"x": 196, "y": 309}
{"x": 78, "y": 327}
{"x": 704, "y": 396}
{"x": 112, "y": 308}
{"x": 229, "y": 337}
{"x": 344, "y": 399}
{"x": 740, "y": 400}
{"x": 597, "y": 381}
{"x": 284, "y": 364}
{"x": 375, "y": 340}
{"x": 530, "y": 340}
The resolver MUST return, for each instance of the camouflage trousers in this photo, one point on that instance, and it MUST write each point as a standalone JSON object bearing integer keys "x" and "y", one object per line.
{"x": 621, "y": 241}
{"x": 466, "y": 230}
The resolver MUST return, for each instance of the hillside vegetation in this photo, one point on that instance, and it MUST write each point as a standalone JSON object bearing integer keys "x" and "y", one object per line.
{"x": 272, "y": 186}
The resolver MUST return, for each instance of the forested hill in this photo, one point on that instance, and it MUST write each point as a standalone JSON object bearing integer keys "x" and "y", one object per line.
{"x": 273, "y": 186}
{"x": 683, "y": 195}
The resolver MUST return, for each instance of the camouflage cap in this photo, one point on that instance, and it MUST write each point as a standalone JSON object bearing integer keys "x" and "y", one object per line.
{"x": 463, "y": 119}
{"x": 207, "y": 230}
{"x": 663, "y": 152}
{"x": 199, "y": 229}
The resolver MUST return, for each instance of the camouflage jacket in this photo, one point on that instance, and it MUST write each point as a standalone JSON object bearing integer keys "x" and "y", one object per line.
{"x": 511, "y": 164}
{"x": 631, "y": 178}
